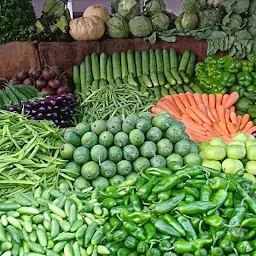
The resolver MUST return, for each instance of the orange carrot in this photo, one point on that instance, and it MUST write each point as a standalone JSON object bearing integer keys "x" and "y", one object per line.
{"x": 210, "y": 129}
{"x": 233, "y": 117}
{"x": 170, "y": 102}
{"x": 244, "y": 121}
{"x": 205, "y": 99}
{"x": 184, "y": 99}
{"x": 248, "y": 126}
{"x": 197, "y": 136}
{"x": 225, "y": 98}
{"x": 187, "y": 120}
{"x": 170, "y": 108}
{"x": 201, "y": 115}
{"x": 232, "y": 109}
{"x": 219, "y": 98}
{"x": 226, "y": 138}
{"x": 215, "y": 114}
{"x": 210, "y": 115}
{"x": 211, "y": 101}
{"x": 231, "y": 127}
{"x": 231, "y": 99}
{"x": 196, "y": 131}
{"x": 223, "y": 127}
{"x": 221, "y": 113}
{"x": 191, "y": 99}
{"x": 155, "y": 110}
{"x": 198, "y": 98}
{"x": 227, "y": 115}
{"x": 202, "y": 107}
{"x": 179, "y": 103}
{"x": 190, "y": 112}
{"x": 250, "y": 131}
{"x": 238, "y": 122}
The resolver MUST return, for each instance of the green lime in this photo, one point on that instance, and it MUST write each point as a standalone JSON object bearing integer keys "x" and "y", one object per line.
{"x": 130, "y": 153}
{"x": 89, "y": 139}
{"x": 106, "y": 139}
{"x": 100, "y": 183}
{"x": 67, "y": 151}
{"x": 81, "y": 155}
{"x": 174, "y": 134}
{"x": 192, "y": 159}
{"x": 90, "y": 170}
{"x": 99, "y": 153}
{"x": 164, "y": 147}
{"x": 136, "y": 137}
{"x": 82, "y": 128}
{"x": 107, "y": 169}
{"x": 141, "y": 164}
{"x": 124, "y": 167}
{"x": 98, "y": 126}
{"x": 116, "y": 180}
{"x": 182, "y": 147}
{"x": 74, "y": 169}
{"x": 81, "y": 183}
{"x": 154, "y": 134}
{"x": 148, "y": 149}
{"x": 115, "y": 154}
{"x": 158, "y": 161}
{"x": 73, "y": 138}
{"x": 121, "y": 139}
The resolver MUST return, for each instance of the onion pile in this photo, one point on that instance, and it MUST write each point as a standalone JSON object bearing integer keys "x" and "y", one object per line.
{"x": 49, "y": 80}
{"x": 58, "y": 109}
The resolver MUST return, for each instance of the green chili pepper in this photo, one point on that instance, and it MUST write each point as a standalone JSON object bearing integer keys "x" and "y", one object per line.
{"x": 196, "y": 183}
{"x": 150, "y": 230}
{"x": 249, "y": 235}
{"x": 131, "y": 242}
{"x": 195, "y": 221}
{"x": 135, "y": 202}
{"x": 249, "y": 222}
{"x": 244, "y": 79}
{"x": 186, "y": 224}
{"x": 217, "y": 251}
{"x": 153, "y": 252}
{"x": 140, "y": 181}
{"x": 135, "y": 230}
{"x": 120, "y": 235}
{"x": 205, "y": 193}
{"x": 219, "y": 199}
{"x": 229, "y": 201}
{"x": 192, "y": 191}
{"x": 195, "y": 207}
{"x": 236, "y": 234}
{"x": 244, "y": 247}
{"x": 238, "y": 216}
{"x": 201, "y": 252}
{"x": 214, "y": 221}
{"x": 189, "y": 198}
{"x": 166, "y": 183}
{"x": 217, "y": 183}
{"x": 184, "y": 246}
{"x": 115, "y": 222}
{"x": 174, "y": 223}
{"x": 137, "y": 217}
{"x": 109, "y": 203}
{"x": 165, "y": 228}
{"x": 123, "y": 251}
{"x": 189, "y": 171}
{"x": 164, "y": 195}
{"x": 152, "y": 198}
{"x": 211, "y": 172}
{"x": 217, "y": 233}
{"x": 145, "y": 190}
{"x": 113, "y": 247}
{"x": 227, "y": 245}
{"x": 142, "y": 247}
{"x": 162, "y": 172}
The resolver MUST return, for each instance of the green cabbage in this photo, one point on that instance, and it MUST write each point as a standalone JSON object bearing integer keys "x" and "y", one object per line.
{"x": 194, "y": 5}
{"x": 215, "y": 3}
{"x": 189, "y": 20}
{"x": 178, "y": 21}
{"x": 232, "y": 23}
{"x": 251, "y": 26}
{"x": 140, "y": 26}
{"x": 209, "y": 17}
{"x": 252, "y": 8}
{"x": 236, "y": 6}
{"x": 126, "y": 8}
{"x": 160, "y": 22}
{"x": 171, "y": 15}
{"x": 152, "y": 7}
{"x": 117, "y": 27}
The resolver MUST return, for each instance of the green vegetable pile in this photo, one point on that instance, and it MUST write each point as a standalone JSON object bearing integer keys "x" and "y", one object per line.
{"x": 226, "y": 74}
{"x": 105, "y": 152}
{"x": 194, "y": 211}
{"x": 29, "y": 153}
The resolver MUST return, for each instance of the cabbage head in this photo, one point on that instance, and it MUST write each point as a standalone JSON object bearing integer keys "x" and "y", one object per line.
{"x": 160, "y": 22}
{"x": 152, "y": 7}
{"x": 117, "y": 27}
{"x": 215, "y": 3}
{"x": 128, "y": 8}
{"x": 140, "y": 26}
{"x": 209, "y": 18}
{"x": 189, "y": 20}
{"x": 194, "y": 5}
{"x": 232, "y": 23}
{"x": 252, "y": 8}
{"x": 251, "y": 26}
{"x": 236, "y": 6}
{"x": 177, "y": 22}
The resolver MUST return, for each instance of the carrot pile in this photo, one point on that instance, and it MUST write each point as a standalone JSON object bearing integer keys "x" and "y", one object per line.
{"x": 206, "y": 116}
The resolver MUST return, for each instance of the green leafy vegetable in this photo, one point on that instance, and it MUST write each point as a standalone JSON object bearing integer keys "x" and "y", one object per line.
{"x": 189, "y": 20}
{"x": 127, "y": 8}
{"x": 194, "y": 5}
{"x": 160, "y": 21}
{"x": 232, "y": 23}
{"x": 140, "y": 26}
{"x": 209, "y": 17}
{"x": 236, "y": 6}
{"x": 117, "y": 27}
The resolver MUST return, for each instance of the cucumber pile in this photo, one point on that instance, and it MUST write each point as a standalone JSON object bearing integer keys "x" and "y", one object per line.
{"x": 156, "y": 72}
{"x": 103, "y": 153}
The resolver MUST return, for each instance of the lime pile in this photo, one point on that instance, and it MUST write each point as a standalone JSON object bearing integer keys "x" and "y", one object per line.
{"x": 238, "y": 155}
{"x": 104, "y": 153}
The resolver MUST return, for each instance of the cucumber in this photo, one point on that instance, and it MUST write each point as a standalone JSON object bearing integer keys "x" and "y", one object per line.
{"x": 157, "y": 93}
{"x": 6, "y": 100}
{"x": 102, "y": 83}
{"x": 146, "y": 80}
{"x": 130, "y": 62}
{"x": 1, "y": 100}
{"x": 103, "y": 65}
{"x": 154, "y": 79}
{"x": 152, "y": 62}
{"x": 173, "y": 59}
{"x": 172, "y": 91}
{"x": 145, "y": 62}
{"x": 191, "y": 65}
{"x": 95, "y": 85}
{"x": 95, "y": 66}
{"x": 12, "y": 97}
{"x": 118, "y": 81}
{"x": 124, "y": 66}
{"x": 179, "y": 89}
{"x": 28, "y": 90}
{"x": 167, "y": 86}
{"x": 88, "y": 70}
{"x": 138, "y": 63}
{"x": 131, "y": 80}
{"x": 84, "y": 89}
{"x": 184, "y": 77}
{"x": 188, "y": 89}
{"x": 184, "y": 60}
{"x": 161, "y": 79}
{"x": 169, "y": 77}
{"x": 196, "y": 88}
{"x": 141, "y": 83}
{"x": 20, "y": 96}
{"x": 116, "y": 61}
{"x": 164, "y": 91}
{"x": 110, "y": 77}
{"x": 176, "y": 75}
{"x": 159, "y": 61}
{"x": 76, "y": 78}
{"x": 166, "y": 61}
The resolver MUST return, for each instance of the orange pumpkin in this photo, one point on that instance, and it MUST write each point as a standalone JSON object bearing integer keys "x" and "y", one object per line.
{"x": 97, "y": 10}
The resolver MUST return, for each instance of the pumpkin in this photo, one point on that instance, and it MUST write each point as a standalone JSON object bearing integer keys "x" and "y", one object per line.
{"x": 97, "y": 10}
{"x": 87, "y": 28}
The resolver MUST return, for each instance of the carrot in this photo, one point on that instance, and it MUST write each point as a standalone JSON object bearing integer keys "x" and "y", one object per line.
{"x": 211, "y": 101}
{"x": 198, "y": 99}
{"x": 170, "y": 101}
{"x": 214, "y": 113}
{"x": 210, "y": 115}
{"x": 223, "y": 127}
{"x": 190, "y": 112}
{"x": 232, "y": 109}
{"x": 210, "y": 129}
{"x": 233, "y": 117}
{"x": 202, "y": 107}
{"x": 179, "y": 103}
{"x": 219, "y": 98}
{"x": 231, "y": 99}
{"x": 205, "y": 99}
{"x": 191, "y": 99}
{"x": 225, "y": 98}
{"x": 244, "y": 121}
{"x": 226, "y": 138}
{"x": 170, "y": 108}
{"x": 155, "y": 110}
{"x": 248, "y": 126}
{"x": 227, "y": 115}
{"x": 184, "y": 99}
{"x": 238, "y": 122}
{"x": 250, "y": 131}
{"x": 231, "y": 127}
{"x": 189, "y": 122}
{"x": 198, "y": 137}
{"x": 196, "y": 131}
{"x": 201, "y": 115}
{"x": 221, "y": 113}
